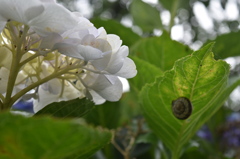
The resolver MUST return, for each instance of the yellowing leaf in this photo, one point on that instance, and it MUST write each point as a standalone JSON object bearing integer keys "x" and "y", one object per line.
{"x": 198, "y": 77}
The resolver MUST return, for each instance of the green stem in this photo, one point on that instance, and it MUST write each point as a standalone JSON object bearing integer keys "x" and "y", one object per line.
{"x": 175, "y": 156}
{"x": 15, "y": 67}
{"x": 12, "y": 75}
{"x": 38, "y": 83}
{"x": 173, "y": 14}
{"x": 28, "y": 59}
{"x": 11, "y": 80}
{"x": 177, "y": 150}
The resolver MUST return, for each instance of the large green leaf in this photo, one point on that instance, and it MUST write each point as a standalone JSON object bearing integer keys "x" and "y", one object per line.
{"x": 130, "y": 106}
{"x": 47, "y": 138}
{"x": 145, "y": 16}
{"x": 160, "y": 51}
{"x": 197, "y": 77}
{"x": 113, "y": 27}
{"x": 146, "y": 73}
{"x": 72, "y": 108}
{"x": 227, "y": 45}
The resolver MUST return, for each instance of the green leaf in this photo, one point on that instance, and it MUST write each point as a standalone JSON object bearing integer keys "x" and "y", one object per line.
{"x": 194, "y": 152}
{"x": 113, "y": 27}
{"x": 197, "y": 77}
{"x": 227, "y": 45}
{"x": 72, "y": 108}
{"x": 106, "y": 115}
{"x": 145, "y": 16}
{"x": 160, "y": 51}
{"x": 146, "y": 73}
{"x": 47, "y": 138}
{"x": 130, "y": 106}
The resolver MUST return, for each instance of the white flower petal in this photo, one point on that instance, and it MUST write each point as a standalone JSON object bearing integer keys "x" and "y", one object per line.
{"x": 128, "y": 70}
{"x": 45, "y": 98}
{"x": 3, "y": 22}
{"x": 55, "y": 18}
{"x": 68, "y": 49}
{"x": 113, "y": 62}
{"x": 102, "y": 63}
{"x": 96, "y": 81}
{"x": 114, "y": 41}
{"x": 108, "y": 87}
{"x": 112, "y": 92}
{"x": 88, "y": 53}
{"x": 100, "y": 44}
{"x": 117, "y": 60}
{"x": 5, "y": 57}
{"x": 97, "y": 99}
{"x": 75, "y": 33}
{"x": 53, "y": 86}
{"x": 102, "y": 34}
{"x": 71, "y": 93}
{"x": 103, "y": 81}
{"x": 15, "y": 9}
{"x": 50, "y": 40}
{"x": 32, "y": 13}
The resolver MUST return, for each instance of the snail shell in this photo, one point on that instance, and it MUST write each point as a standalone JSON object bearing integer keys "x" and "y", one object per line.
{"x": 182, "y": 108}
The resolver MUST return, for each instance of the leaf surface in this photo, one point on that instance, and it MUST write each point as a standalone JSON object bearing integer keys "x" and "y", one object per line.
{"x": 160, "y": 51}
{"x": 106, "y": 115}
{"x": 145, "y": 16}
{"x": 227, "y": 45}
{"x": 146, "y": 73}
{"x": 48, "y": 138}
{"x": 198, "y": 77}
{"x": 65, "y": 109}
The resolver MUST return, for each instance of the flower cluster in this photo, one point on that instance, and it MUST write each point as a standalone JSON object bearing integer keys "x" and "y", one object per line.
{"x": 57, "y": 55}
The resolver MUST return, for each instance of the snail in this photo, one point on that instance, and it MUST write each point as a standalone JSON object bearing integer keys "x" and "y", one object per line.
{"x": 182, "y": 108}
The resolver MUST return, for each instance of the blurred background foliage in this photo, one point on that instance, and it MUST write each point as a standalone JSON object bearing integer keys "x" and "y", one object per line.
{"x": 221, "y": 16}
{"x": 190, "y": 22}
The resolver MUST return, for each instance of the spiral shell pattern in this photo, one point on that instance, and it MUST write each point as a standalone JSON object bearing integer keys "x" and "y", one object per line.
{"x": 182, "y": 108}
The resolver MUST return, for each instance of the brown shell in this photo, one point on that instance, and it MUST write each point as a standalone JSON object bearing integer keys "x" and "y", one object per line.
{"x": 182, "y": 108}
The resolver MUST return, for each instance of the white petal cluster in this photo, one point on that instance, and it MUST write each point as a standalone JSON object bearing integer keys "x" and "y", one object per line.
{"x": 67, "y": 57}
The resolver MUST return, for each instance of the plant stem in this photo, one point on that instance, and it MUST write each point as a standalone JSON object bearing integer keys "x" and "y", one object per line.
{"x": 46, "y": 79}
{"x": 15, "y": 65}
{"x": 29, "y": 59}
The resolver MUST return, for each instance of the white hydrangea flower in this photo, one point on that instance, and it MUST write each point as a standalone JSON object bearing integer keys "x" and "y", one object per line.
{"x": 60, "y": 54}
{"x": 106, "y": 58}
{"x": 43, "y": 17}
{"x": 55, "y": 91}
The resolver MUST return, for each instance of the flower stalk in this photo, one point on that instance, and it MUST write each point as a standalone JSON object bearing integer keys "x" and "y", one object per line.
{"x": 41, "y": 81}
{"x": 17, "y": 53}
